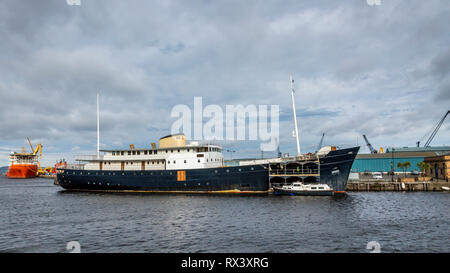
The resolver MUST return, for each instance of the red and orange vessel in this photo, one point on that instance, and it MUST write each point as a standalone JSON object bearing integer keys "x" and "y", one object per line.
{"x": 24, "y": 165}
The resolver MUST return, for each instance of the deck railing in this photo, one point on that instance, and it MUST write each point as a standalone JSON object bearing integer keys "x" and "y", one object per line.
{"x": 88, "y": 157}
{"x": 74, "y": 167}
{"x": 295, "y": 172}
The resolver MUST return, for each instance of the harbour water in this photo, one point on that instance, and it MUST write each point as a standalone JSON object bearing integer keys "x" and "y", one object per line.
{"x": 36, "y": 216}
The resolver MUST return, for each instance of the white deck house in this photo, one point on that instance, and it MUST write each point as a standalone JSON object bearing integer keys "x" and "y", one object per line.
{"x": 172, "y": 154}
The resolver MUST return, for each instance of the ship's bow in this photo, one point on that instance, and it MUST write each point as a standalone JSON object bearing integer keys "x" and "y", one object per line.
{"x": 335, "y": 168}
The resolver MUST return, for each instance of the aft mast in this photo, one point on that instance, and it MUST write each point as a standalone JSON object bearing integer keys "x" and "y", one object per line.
{"x": 98, "y": 130}
{"x": 295, "y": 116}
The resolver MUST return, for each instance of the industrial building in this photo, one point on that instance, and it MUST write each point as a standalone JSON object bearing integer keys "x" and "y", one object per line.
{"x": 383, "y": 162}
{"x": 439, "y": 167}
{"x": 386, "y": 162}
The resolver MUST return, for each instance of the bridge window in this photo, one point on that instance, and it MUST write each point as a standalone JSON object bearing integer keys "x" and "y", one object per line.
{"x": 129, "y": 152}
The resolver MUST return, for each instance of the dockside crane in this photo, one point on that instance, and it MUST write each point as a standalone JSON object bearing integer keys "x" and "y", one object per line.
{"x": 320, "y": 143}
{"x": 372, "y": 150}
{"x": 433, "y": 134}
{"x": 35, "y": 151}
{"x": 38, "y": 148}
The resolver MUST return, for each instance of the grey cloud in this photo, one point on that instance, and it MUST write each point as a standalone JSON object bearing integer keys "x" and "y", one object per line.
{"x": 358, "y": 69}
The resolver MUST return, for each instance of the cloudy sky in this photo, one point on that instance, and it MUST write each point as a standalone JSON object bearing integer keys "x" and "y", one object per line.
{"x": 383, "y": 71}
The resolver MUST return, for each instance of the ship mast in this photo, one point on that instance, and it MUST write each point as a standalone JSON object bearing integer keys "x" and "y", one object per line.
{"x": 295, "y": 115}
{"x": 98, "y": 130}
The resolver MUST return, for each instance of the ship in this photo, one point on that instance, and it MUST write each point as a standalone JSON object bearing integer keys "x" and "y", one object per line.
{"x": 23, "y": 164}
{"x": 176, "y": 166}
{"x": 199, "y": 168}
{"x": 172, "y": 167}
{"x": 299, "y": 188}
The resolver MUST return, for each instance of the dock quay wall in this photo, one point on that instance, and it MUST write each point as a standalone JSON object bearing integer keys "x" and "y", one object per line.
{"x": 353, "y": 186}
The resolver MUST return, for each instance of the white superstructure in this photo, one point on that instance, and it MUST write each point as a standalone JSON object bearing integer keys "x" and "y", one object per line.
{"x": 173, "y": 155}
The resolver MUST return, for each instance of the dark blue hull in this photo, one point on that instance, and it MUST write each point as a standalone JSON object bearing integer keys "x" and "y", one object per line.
{"x": 241, "y": 179}
{"x": 335, "y": 168}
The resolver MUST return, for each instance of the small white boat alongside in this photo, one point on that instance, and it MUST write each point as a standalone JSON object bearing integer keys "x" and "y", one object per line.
{"x": 298, "y": 188}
